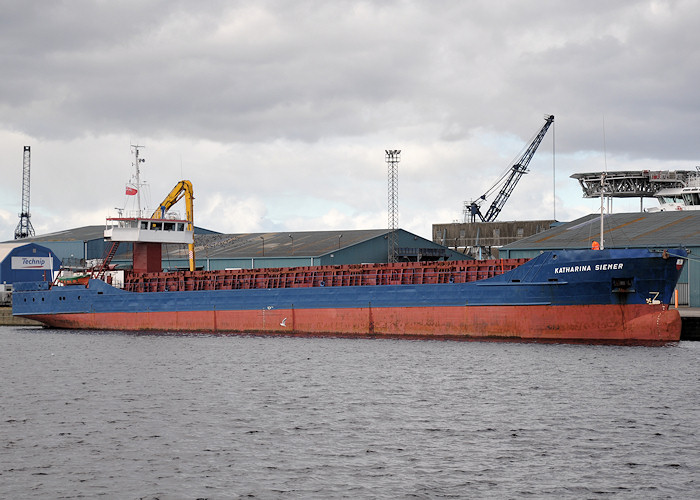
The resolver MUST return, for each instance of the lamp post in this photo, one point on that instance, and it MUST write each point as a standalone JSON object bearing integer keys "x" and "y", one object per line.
{"x": 292, "y": 237}
{"x": 339, "y": 236}
{"x": 263, "y": 246}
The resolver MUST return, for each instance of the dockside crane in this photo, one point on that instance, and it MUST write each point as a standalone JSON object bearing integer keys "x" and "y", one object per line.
{"x": 25, "y": 229}
{"x": 182, "y": 188}
{"x": 472, "y": 209}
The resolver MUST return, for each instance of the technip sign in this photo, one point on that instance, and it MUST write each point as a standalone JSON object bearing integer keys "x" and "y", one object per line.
{"x": 32, "y": 263}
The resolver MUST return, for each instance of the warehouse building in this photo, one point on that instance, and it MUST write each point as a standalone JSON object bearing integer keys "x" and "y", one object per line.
{"x": 85, "y": 246}
{"x": 305, "y": 248}
{"x": 482, "y": 240}
{"x": 81, "y": 247}
{"x": 22, "y": 261}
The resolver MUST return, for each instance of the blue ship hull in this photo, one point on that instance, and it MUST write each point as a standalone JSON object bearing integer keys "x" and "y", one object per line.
{"x": 615, "y": 294}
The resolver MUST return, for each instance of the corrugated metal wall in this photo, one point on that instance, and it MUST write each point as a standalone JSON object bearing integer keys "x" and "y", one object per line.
{"x": 692, "y": 273}
{"x": 683, "y": 294}
{"x": 11, "y": 274}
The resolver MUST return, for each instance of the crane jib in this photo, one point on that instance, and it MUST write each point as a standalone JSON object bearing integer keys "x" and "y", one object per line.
{"x": 516, "y": 172}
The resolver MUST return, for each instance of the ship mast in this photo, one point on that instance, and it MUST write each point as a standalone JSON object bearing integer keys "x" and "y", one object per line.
{"x": 137, "y": 161}
{"x": 602, "y": 203}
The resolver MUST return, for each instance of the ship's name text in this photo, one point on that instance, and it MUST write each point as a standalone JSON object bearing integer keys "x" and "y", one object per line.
{"x": 597, "y": 267}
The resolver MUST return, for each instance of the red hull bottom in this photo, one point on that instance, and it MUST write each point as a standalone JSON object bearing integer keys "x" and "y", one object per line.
{"x": 617, "y": 323}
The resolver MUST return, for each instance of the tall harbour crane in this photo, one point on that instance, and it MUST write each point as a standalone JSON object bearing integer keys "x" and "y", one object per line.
{"x": 472, "y": 209}
{"x": 24, "y": 229}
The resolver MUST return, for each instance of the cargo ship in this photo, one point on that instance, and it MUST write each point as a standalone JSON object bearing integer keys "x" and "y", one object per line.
{"x": 596, "y": 295}
{"x": 618, "y": 295}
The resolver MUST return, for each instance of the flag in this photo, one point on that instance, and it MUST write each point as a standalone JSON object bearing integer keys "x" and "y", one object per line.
{"x": 131, "y": 191}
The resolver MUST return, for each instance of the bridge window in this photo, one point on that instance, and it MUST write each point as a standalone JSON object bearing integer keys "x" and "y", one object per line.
{"x": 691, "y": 198}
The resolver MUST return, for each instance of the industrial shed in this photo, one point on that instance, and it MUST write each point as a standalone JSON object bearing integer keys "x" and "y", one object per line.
{"x": 659, "y": 230}
{"x": 304, "y": 248}
{"x": 80, "y": 247}
{"x": 479, "y": 238}
{"x": 22, "y": 261}
{"x": 74, "y": 246}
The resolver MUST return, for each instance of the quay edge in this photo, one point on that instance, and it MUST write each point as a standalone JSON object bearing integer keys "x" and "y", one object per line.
{"x": 7, "y": 319}
{"x": 690, "y": 318}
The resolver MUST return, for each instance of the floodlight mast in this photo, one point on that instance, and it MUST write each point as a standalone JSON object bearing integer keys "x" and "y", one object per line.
{"x": 392, "y": 158}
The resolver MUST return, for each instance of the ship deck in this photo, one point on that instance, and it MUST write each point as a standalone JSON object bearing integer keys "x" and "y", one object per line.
{"x": 406, "y": 273}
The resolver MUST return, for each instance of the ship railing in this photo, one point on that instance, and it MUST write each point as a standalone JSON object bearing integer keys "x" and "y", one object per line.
{"x": 304, "y": 277}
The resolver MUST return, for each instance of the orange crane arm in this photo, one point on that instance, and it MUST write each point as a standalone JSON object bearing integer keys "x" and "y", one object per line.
{"x": 182, "y": 188}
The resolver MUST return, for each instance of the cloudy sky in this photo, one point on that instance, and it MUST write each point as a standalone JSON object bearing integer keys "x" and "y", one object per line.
{"x": 279, "y": 112}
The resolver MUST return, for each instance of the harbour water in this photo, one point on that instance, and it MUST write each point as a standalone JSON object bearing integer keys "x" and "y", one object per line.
{"x": 122, "y": 415}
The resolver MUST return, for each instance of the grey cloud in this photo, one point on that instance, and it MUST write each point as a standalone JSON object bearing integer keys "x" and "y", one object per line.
{"x": 259, "y": 71}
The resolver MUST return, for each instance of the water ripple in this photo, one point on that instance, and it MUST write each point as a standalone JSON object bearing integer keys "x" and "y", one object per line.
{"x": 116, "y": 415}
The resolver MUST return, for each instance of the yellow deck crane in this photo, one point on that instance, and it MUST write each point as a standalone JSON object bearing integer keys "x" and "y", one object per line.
{"x": 182, "y": 188}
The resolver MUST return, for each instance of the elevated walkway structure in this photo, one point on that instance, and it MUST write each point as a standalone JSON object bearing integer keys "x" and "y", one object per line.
{"x": 632, "y": 183}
